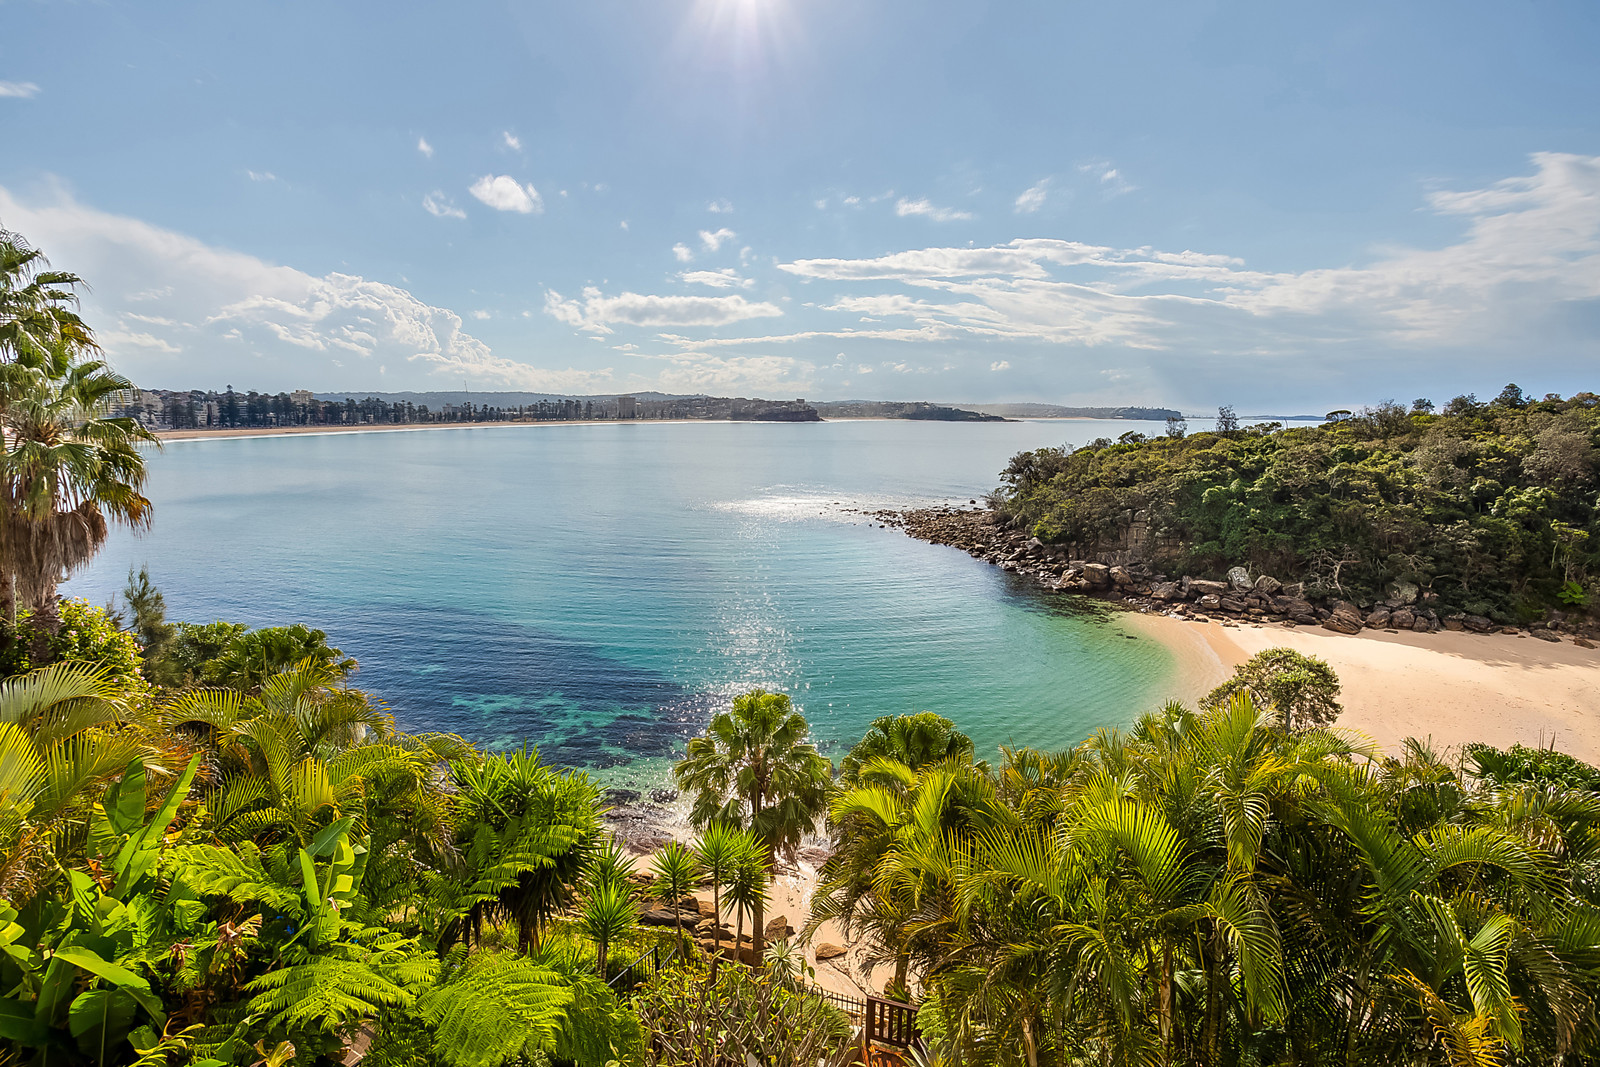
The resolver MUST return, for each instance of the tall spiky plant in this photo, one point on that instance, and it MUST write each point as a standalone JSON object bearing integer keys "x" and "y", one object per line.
{"x": 676, "y": 868}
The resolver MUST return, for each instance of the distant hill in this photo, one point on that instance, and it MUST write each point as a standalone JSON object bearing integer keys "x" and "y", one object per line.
{"x": 894, "y": 409}
{"x": 1056, "y": 411}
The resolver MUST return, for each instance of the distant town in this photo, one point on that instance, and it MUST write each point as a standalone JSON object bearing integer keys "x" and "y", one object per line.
{"x": 198, "y": 409}
{"x": 165, "y": 409}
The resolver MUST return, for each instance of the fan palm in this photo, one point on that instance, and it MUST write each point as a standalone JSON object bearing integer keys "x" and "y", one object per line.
{"x": 67, "y": 470}
{"x": 756, "y": 767}
{"x": 913, "y": 740}
{"x": 37, "y": 305}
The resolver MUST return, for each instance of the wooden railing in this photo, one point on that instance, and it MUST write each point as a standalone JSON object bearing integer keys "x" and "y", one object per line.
{"x": 891, "y": 1022}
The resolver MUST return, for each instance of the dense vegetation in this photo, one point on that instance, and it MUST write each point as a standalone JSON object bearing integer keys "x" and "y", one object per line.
{"x": 1492, "y": 507}
{"x": 215, "y": 851}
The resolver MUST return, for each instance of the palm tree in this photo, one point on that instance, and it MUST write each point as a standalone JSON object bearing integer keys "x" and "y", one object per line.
{"x": 676, "y": 869}
{"x": 61, "y": 743}
{"x": 67, "y": 468}
{"x": 608, "y": 913}
{"x": 897, "y": 842}
{"x": 526, "y": 833}
{"x": 717, "y": 849}
{"x": 747, "y": 889}
{"x": 756, "y": 767}
{"x": 912, "y": 740}
{"x": 36, "y": 304}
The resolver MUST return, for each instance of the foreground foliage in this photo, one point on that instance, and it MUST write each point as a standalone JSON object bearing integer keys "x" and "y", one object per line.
{"x": 1213, "y": 888}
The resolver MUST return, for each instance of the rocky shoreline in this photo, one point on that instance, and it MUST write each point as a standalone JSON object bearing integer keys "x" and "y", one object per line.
{"x": 1242, "y": 597}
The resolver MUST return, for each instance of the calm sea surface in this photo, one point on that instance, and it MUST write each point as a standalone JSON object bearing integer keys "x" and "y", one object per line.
{"x": 598, "y": 590}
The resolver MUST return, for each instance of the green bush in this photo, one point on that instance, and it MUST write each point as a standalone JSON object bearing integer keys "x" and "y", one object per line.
{"x": 1491, "y": 509}
{"x": 1536, "y": 766}
{"x": 78, "y": 633}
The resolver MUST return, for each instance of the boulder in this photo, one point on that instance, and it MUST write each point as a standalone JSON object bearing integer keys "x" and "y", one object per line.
{"x": 1097, "y": 574}
{"x": 1343, "y": 624}
{"x": 668, "y": 916}
{"x": 1378, "y": 620}
{"x": 829, "y": 951}
{"x": 1267, "y": 585}
{"x": 1232, "y": 604}
{"x": 1583, "y": 642}
{"x": 1424, "y": 625}
{"x": 1202, "y": 587}
{"x": 1165, "y": 591}
{"x": 778, "y": 928}
{"x": 1239, "y": 579}
{"x": 1454, "y": 622}
{"x": 1547, "y": 635}
{"x": 1477, "y": 624}
{"x": 1120, "y": 576}
{"x": 706, "y": 910}
{"x": 1210, "y": 600}
{"x": 1402, "y": 619}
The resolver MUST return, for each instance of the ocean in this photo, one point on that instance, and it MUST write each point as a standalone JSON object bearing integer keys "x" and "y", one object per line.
{"x": 598, "y": 591}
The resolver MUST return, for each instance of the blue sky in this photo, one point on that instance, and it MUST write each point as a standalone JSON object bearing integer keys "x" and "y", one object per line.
{"x": 1276, "y": 205}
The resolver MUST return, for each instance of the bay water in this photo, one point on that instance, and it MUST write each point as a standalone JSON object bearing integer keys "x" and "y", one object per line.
{"x": 599, "y": 590}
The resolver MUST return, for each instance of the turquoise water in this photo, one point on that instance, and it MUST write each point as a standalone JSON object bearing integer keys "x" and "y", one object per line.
{"x": 598, "y": 590}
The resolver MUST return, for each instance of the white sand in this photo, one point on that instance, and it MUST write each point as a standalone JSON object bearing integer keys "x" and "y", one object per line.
{"x": 1449, "y": 688}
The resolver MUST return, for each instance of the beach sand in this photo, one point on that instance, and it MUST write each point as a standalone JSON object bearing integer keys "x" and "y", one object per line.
{"x": 1447, "y": 688}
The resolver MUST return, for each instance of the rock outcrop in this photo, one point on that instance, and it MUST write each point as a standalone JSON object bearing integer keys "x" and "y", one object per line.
{"x": 1122, "y": 577}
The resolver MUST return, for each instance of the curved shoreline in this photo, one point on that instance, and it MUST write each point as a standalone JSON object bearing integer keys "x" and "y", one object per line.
{"x": 1447, "y": 687}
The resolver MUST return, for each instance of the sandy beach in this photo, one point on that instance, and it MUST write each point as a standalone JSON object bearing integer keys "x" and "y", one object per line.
{"x": 1448, "y": 688}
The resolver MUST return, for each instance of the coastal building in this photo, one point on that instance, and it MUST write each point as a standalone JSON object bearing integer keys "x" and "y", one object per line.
{"x": 627, "y": 407}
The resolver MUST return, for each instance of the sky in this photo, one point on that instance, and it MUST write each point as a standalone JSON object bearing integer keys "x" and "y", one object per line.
{"x": 1281, "y": 206}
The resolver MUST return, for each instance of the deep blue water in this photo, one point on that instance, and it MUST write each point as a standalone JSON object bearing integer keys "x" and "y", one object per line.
{"x": 597, "y": 590}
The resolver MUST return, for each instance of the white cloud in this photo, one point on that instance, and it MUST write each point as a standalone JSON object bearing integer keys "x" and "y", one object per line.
{"x": 926, "y": 209}
{"x": 714, "y": 239}
{"x": 596, "y": 313}
{"x": 235, "y": 318}
{"x": 19, "y": 90}
{"x": 480, "y": 314}
{"x": 682, "y": 252}
{"x": 424, "y": 147}
{"x": 624, "y": 224}
{"x": 1112, "y": 183}
{"x": 720, "y": 207}
{"x": 726, "y": 278}
{"x": 1530, "y": 255}
{"x": 438, "y": 204}
{"x": 511, "y": 140}
{"x": 502, "y": 193}
{"x": 1000, "y": 364}
{"x": 851, "y": 201}
{"x": 1033, "y": 197}
{"x": 262, "y": 175}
